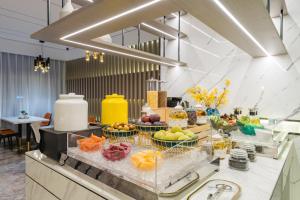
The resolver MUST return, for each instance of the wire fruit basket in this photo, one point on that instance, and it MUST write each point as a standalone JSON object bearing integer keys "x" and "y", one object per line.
{"x": 145, "y": 133}
{"x": 175, "y": 146}
{"x": 227, "y": 128}
{"x": 121, "y": 136}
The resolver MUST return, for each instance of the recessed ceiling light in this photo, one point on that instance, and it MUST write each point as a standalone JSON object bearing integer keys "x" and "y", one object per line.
{"x": 127, "y": 12}
{"x": 229, "y": 14}
{"x": 121, "y": 53}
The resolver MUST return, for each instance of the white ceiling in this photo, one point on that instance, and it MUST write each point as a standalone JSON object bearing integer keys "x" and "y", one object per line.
{"x": 19, "y": 19}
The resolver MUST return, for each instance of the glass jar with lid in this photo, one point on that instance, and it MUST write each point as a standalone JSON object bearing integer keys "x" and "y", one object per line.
{"x": 219, "y": 146}
{"x": 152, "y": 92}
{"x": 146, "y": 110}
{"x": 253, "y": 111}
{"x": 156, "y": 97}
{"x": 192, "y": 116}
{"x": 201, "y": 114}
{"x": 178, "y": 117}
{"x": 254, "y": 119}
{"x": 237, "y": 111}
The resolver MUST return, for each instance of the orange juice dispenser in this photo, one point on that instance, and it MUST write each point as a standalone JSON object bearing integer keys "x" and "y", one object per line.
{"x": 114, "y": 109}
{"x": 156, "y": 98}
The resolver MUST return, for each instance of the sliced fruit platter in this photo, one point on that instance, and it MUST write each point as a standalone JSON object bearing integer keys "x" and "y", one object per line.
{"x": 92, "y": 143}
{"x": 120, "y": 130}
{"x": 146, "y": 160}
{"x": 116, "y": 151}
{"x": 224, "y": 122}
{"x": 175, "y": 136}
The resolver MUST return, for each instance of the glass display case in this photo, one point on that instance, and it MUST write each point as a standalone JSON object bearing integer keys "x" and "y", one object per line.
{"x": 165, "y": 168}
{"x": 268, "y": 141}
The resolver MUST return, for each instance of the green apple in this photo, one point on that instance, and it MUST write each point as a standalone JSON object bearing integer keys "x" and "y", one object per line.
{"x": 175, "y": 129}
{"x": 184, "y": 137}
{"x": 191, "y": 135}
{"x": 158, "y": 134}
{"x": 170, "y": 136}
{"x": 178, "y": 134}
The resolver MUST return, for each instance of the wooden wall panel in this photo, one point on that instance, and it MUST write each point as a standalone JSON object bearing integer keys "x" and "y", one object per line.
{"x": 117, "y": 74}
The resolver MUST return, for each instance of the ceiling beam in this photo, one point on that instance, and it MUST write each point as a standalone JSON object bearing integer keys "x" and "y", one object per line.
{"x": 251, "y": 14}
{"x": 161, "y": 30}
{"x": 99, "y": 19}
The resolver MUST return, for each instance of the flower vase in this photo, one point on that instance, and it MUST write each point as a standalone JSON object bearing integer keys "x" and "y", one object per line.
{"x": 212, "y": 111}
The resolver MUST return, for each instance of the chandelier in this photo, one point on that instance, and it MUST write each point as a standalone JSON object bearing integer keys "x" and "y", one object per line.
{"x": 41, "y": 63}
{"x": 95, "y": 56}
{"x": 98, "y": 55}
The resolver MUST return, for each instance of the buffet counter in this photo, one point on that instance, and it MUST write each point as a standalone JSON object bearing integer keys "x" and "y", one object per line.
{"x": 266, "y": 179}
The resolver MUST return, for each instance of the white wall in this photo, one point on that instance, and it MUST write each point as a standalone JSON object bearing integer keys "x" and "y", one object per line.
{"x": 278, "y": 75}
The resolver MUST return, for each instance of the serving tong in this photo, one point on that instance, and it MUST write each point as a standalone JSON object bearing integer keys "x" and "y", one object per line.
{"x": 220, "y": 189}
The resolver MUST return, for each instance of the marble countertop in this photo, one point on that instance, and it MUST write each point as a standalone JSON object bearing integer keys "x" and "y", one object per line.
{"x": 256, "y": 183}
{"x": 260, "y": 180}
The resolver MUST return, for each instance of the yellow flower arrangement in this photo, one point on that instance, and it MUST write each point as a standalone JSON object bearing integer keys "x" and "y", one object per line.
{"x": 210, "y": 98}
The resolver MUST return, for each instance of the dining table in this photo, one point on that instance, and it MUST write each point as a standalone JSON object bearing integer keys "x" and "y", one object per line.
{"x": 26, "y": 122}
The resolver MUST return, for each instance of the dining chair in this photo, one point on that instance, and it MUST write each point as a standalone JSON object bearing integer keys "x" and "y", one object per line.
{"x": 36, "y": 126}
{"x": 8, "y": 134}
{"x": 48, "y": 116}
{"x": 92, "y": 119}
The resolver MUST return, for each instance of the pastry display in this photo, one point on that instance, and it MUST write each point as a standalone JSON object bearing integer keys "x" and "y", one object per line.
{"x": 116, "y": 151}
{"x": 92, "y": 143}
{"x": 146, "y": 160}
{"x": 239, "y": 159}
